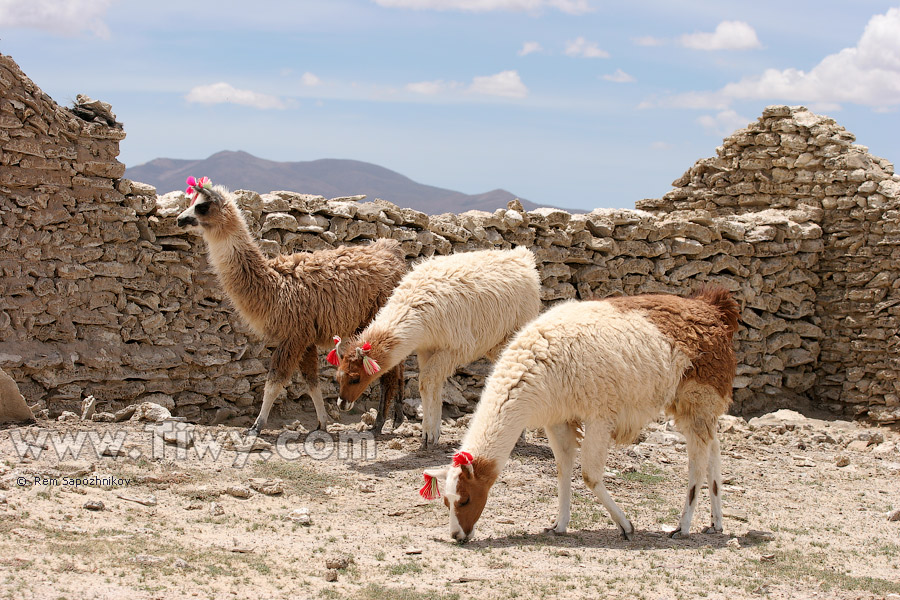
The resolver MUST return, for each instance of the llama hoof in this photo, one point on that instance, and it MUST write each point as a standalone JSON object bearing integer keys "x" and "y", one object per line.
{"x": 678, "y": 534}
{"x": 712, "y": 529}
{"x": 555, "y": 530}
{"x": 255, "y": 430}
{"x": 628, "y": 534}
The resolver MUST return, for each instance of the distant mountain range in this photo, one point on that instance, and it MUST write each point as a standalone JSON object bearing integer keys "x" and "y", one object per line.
{"x": 328, "y": 177}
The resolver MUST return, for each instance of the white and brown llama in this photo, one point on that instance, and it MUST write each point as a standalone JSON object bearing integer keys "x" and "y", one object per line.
{"x": 299, "y": 301}
{"x": 450, "y": 311}
{"x": 612, "y": 365}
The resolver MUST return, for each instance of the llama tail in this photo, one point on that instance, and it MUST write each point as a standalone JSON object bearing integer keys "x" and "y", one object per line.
{"x": 722, "y": 300}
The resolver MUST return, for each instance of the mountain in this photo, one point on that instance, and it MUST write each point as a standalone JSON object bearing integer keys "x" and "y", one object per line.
{"x": 328, "y": 177}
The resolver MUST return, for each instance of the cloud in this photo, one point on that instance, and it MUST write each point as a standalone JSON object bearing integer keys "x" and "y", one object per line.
{"x": 430, "y": 88}
{"x": 529, "y": 48}
{"x": 619, "y": 76}
{"x": 507, "y": 84}
{"x": 573, "y": 7}
{"x": 648, "y": 40}
{"x": 581, "y": 47}
{"x": 729, "y": 35}
{"x": 661, "y": 146}
{"x": 65, "y": 17}
{"x": 310, "y": 79}
{"x": 867, "y": 74}
{"x": 224, "y": 93}
{"x": 723, "y": 123}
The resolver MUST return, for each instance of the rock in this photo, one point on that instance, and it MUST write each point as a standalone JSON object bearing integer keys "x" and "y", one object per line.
{"x": 894, "y": 515}
{"x": 94, "y": 505}
{"x": 215, "y": 509}
{"x": 870, "y": 437}
{"x": 331, "y": 575}
{"x": 151, "y": 412}
{"x": 180, "y": 563}
{"x": 238, "y": 491}
{"x": 88, "y": 406}
{"x": 759, "y": 536}
{"x": 3, "y": 499}
{"x": 788, "y": 418}
{"x": 733, "y": 543}
{"x": 252, "y": 444}
{"x": 103, "y": 417}
{"x": 268, "y": 487}
{"x": 842, "y": 461}
{"x": 338, "y": 562}
{"x": 147, "y": 559}
{"x": 368, "y": 417}
{"x": 68, "y": 416}
{"x": 301, "y": 516}
{"x": 367, "y": 487}
{"x": 395, "y": 444}
{"x": 858, "y": 445}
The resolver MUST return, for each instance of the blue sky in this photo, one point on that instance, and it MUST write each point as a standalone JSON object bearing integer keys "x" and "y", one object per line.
{"x": 576, "y": 103}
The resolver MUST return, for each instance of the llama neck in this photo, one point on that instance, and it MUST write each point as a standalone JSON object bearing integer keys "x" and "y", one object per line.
{"x": 505, "y": 408}
{"x": 237, "y": 260}
{"x": 393, "y": 338}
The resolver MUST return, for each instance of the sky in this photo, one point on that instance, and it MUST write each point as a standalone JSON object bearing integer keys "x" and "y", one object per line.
{"x": 574, "y": 103}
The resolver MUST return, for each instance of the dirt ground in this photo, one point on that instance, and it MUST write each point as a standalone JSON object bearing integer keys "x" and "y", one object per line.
{"x": 808, "y": 509}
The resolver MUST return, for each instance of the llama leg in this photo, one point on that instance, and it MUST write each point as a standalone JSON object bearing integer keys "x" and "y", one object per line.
{"x": 285, "y": 360}
{"x": 594, "y": 451}
{"x": 272, "y": 390}
{"x": 434, "y": 368}
{"x": 564, "y": 443}
{"x": 698, "y": 458}
{"x": 309, "y": 367}
{"x": 391, "y": 386}
{"x": 714, "y": 481}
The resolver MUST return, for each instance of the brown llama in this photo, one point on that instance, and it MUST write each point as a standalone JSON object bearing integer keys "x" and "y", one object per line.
{"x": 613, "y": 365}
{"x": 299, "y": 301}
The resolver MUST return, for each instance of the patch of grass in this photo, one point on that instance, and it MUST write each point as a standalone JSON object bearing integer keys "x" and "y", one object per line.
{"x": 788, "y": 567}
{"x": 648, "y": 475}
{"x": 409, "y": 566}
{"x": 297, "y": 477}
{"x": 374, "y": 591}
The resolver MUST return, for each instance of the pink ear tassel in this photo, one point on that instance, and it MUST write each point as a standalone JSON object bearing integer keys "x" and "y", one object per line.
{"x": 332, "y": 357}
{"x": 430, "y": 490}
{"x": 194, "y": 185}
{"x": 370, "y": 366}
{"x": 462, "y": 458}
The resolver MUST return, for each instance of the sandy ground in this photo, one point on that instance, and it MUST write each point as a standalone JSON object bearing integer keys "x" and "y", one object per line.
{"x": 270, "y": 523}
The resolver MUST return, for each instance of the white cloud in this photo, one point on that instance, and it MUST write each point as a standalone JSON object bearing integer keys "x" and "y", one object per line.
{"x": 661, "y": 146}
{"x": 723, "y": 123}
{"x": 529, "y": 48}
{"x": 619, "y": 76}
{"x": 430, "y": 88}
{"x": 310, "y": 79}
{"x": 648, "y": 40}
{"x": 867, "y": 74}
{"x": 224, "y": 93}
{"x": 506, "y": 83}
{"x": 581, "y": 47}
{"x": 574, "y": 7}
{"x": 67, "y": 17}
{"x": 729, "y": 35}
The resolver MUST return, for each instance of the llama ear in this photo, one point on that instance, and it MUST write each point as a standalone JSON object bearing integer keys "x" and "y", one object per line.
{"x": 467, "y": 471}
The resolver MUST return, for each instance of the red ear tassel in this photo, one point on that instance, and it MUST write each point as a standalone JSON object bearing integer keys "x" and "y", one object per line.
{"x": 332, "y": 357}
{"x": 462, "y": 458}
{"x": 430, "y": 490}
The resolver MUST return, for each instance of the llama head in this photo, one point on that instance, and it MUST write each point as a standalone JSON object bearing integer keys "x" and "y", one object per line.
{"x": 465, "y": 485}
{"x": 208, "y": 210}
{"x": 355, "y": 371}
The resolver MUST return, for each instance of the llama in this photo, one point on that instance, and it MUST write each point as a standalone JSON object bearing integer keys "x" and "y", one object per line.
{"x": 298, "y": 301}
{"x": 613, "y": 365}
{"x": 450, "y": 310}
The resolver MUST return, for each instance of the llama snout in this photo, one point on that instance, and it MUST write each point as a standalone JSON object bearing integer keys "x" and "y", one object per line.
{"x": 344, "y": 405}
{"x": 187, "y": 221}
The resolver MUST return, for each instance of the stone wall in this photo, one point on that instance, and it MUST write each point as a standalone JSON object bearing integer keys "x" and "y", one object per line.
{"x": 102, "y": 294}
{"x": 791, "y": 158}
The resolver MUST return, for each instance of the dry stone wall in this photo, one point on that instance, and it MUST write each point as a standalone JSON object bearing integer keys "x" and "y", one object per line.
{"x": 102, "y": 294}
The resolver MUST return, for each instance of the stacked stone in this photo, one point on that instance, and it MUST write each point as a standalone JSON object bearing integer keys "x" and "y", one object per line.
{"x": 793, "y": 159}
{"x": 104, "y": 295}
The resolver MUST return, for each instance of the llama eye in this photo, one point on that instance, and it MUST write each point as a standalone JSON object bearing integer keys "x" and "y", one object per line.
{"x": 464, "y": 502}
{"x": 354, "y": 380}
{"x": 202, "y": 209}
